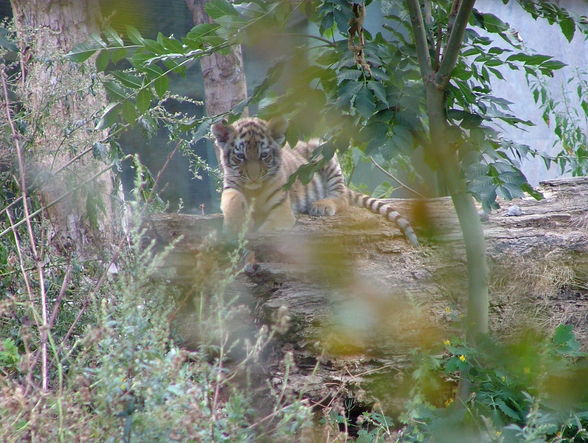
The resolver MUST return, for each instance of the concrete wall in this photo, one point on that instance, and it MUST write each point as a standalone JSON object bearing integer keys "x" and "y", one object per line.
{"x": 546, "y": 39}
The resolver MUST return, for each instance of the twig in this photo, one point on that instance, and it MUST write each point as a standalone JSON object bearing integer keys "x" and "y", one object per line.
{"x": 31, "y": 365}
{"x": 57, "y": 304}
{"x": 309, "y": 36}
{"x": 7, "y": 207}
{"x": 452, "y": 15}
{"x": 389, "y": 174}
{"x": 38, "y": 262}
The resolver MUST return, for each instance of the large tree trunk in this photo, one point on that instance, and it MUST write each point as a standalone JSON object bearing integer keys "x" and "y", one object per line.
{"x": 224, "y": 75}
{"x": 359, "y": 299}
{"x": 63, "y": 100}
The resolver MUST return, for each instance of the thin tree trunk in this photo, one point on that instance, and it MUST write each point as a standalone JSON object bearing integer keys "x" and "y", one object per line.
{"x": 436, "y": 81}
{"x": 63, "y": 101}
{"x": 224, "y": 75}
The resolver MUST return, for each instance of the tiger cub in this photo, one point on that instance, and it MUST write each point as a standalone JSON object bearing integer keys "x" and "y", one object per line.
{"x": 256, "y": 167}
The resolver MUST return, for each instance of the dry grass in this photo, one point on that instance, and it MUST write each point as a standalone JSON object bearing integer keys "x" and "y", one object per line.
{"x": 523, "y": 294}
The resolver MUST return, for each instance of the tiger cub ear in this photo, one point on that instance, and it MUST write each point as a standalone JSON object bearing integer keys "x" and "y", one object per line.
{"x": 223, "y": 133}
{"x": 277, "y": 127}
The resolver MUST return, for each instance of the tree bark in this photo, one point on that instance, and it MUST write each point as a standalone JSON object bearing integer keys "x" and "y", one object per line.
{"x": 223, "y": 75}
{"x": 360, "y": 300}
{"x": 63, "y": 101}
{"x": 435, "y": 82}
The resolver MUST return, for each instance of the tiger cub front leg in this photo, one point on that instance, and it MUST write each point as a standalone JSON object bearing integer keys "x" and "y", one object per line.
{"x": 280, "y": 217}
{"x": 234, "y": 207}
{"x": 327, "y": 206}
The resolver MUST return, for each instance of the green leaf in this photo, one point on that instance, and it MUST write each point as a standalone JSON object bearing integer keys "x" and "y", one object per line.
{"x": 102, "y": 60}
{"x": 507, "y": 410}
{"x": 565, "y": 341}
{"x": 173, "y": 45}
{"x": 250, "y": 9}
{"x": 496, "y": 73}
{"x": 563, "y": 335}
{"x": 203, "y": 129}
{"x": 532, "y": 192}
{"x": 109, "y": 116}
{"x": 304, "y": 173}
{"x": 198, "y": 32}
{"x": 154, "y": 46}
{"x": 364, "y": 103}
{"x": 528, "y": 59}
{"x": 400, "y": 141}
{"x": 128, "y": 80}
{"x": 471, "y": 51}
{"x": 341, "y": 17}
{"x": 115, "y": 90}
{"x": 490, "y": 22}
{"x": 348, "y": 74}
{"x": 161, "y": 85}
{"x": 568, "y": 27}
{"x": 134, "y": 35}
{"x": 112, "y": 37}
{"x": 346, "y": 91}
{"x": 9, "y": 355}
{"x": 117, "y": 54}
{"x": 552, "y": 65}
{"x": 378, "y": 91}
{"x": 219, "y": 8}
{"x": 82, "y": 52}
{"x": 129, "y": 112}
{"x": 143, "y": 100}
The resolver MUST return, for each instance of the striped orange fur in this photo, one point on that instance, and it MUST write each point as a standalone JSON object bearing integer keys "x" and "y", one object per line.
{"x": 256, "y": 167}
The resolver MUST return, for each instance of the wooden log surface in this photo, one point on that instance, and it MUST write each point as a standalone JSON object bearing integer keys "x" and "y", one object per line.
{"x": 358, "y": 298}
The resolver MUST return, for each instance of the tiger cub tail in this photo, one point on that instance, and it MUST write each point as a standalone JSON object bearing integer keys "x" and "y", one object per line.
{"x": 378, "y": 206}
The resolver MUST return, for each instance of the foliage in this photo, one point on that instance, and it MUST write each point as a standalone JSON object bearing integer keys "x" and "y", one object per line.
{"x": 119, "y": 376}
{"x": 328, "y": 93}
{"x": 112, "y": 370}
{"x": 85, "y": 343}
{"x": 568, "y": 120}
{"x": 522, "y": 390}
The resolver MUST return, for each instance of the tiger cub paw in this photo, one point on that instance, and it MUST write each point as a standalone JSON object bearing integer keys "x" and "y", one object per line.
{"x": 323, "y": 207}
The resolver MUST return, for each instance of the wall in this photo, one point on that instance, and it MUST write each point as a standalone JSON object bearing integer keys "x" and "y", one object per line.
{"x": 542, "y": 38}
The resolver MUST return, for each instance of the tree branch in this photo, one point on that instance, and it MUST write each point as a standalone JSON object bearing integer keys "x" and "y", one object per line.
{"x": 454, "y": 43}
{"x": 420, "y": 37}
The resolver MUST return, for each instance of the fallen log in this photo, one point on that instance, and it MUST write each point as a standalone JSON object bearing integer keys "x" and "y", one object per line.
{"x": 358, "y": 298}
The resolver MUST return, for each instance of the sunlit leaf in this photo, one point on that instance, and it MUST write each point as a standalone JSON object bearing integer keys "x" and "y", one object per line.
{"x": 134, "y": 35}
{"x": 219, "y": 8}
{"x": 112, "y": 37}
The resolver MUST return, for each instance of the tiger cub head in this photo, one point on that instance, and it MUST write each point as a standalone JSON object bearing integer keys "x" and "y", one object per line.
{"x": 250, "y": 148}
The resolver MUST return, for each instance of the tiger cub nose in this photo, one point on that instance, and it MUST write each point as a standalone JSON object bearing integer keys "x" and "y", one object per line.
{"x": 253, "y": 170}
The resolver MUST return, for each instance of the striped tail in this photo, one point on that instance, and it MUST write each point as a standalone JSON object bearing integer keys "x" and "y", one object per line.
{"x": 378, "y": 206}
